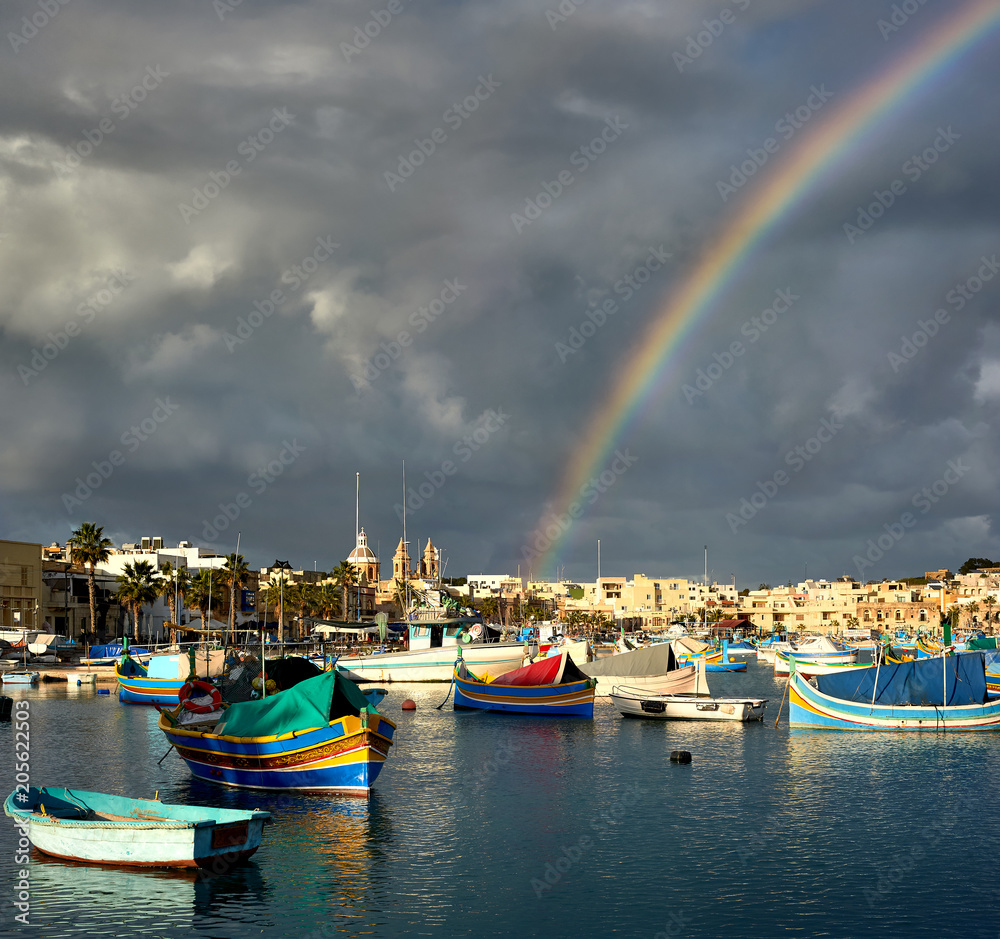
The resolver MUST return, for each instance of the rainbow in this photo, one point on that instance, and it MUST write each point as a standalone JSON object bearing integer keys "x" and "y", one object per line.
{"x": 773, "y": 199}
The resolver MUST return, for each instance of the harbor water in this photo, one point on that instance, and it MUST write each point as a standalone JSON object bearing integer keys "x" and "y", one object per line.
{"x": 491, "y": 825}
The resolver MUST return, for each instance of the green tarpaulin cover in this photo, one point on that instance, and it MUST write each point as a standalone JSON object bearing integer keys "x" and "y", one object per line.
{"x": 980, "y": 644}
{"x": 309, "y": 704}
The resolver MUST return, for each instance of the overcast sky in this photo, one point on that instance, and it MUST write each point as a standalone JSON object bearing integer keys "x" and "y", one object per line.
{"x": 251, "y": 249}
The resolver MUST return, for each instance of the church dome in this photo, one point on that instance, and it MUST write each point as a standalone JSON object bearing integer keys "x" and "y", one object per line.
{"x": 362, "y": 554}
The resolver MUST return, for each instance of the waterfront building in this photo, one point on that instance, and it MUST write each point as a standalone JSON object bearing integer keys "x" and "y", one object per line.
{"x": 20, "y": 586}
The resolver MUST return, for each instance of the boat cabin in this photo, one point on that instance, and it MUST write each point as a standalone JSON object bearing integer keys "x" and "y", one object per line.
{"x": 442, "y": 635}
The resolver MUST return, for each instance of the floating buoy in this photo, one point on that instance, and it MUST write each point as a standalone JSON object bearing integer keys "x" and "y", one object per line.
{"x": 408, "y": 705}
{"x": 680, "y": 756}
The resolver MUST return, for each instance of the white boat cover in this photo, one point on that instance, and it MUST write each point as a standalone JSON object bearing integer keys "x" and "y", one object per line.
{"x": 687, "y": 645}
{"x": 654, "y": 660}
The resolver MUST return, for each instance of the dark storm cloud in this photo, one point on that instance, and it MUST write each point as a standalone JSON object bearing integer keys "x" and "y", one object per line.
{"x": 297, "y": 236}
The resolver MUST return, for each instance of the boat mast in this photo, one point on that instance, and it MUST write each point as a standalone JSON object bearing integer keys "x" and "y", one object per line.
{"x": 357, "y": 531}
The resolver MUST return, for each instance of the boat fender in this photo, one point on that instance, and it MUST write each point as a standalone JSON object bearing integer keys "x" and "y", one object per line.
{"x": 680, "y": 756}
{"x": 199, "y": 696}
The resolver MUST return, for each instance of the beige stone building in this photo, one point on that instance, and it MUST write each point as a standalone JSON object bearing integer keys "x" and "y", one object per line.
{"x": 21, "y": 600}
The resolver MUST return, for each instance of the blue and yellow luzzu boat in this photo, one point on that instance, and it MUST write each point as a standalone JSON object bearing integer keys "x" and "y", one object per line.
{"x": 141, "y": 684}
{"x": 319, "y": 735}
{"x": 946, "y": 693}
{"x": 552, "y": 686}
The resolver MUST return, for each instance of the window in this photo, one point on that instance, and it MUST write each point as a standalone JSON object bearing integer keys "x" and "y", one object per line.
{"x": 899, "y": 616}
{"x": 923, "y": 616}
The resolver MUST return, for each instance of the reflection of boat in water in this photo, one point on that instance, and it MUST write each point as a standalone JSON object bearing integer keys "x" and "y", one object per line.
{"x": 93, "y": 900}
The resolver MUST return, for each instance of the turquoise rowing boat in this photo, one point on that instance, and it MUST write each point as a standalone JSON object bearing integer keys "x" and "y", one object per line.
{"x": 98, "y": 828}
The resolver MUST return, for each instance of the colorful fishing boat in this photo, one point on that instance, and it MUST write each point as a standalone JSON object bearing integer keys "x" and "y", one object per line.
{"x": 159, "y": 681}
{"x": 820, "y": 649}
{"x": 991, "y": 662}
{"x": 810, "y": 669}
{"x": 321, "y": 734}
{"x": 946, "y": 693}
{"x": 97, "y": 828}
{"x": 553, "y": 687}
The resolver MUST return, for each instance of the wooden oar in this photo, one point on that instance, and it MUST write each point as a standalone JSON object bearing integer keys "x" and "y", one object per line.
{"x": 782, "y": 703}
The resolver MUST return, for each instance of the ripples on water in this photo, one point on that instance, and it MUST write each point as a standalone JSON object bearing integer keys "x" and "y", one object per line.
{"x": 767, "y": 833}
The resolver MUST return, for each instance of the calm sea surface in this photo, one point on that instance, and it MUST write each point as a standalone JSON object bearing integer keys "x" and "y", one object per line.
{"x": 486, "y": 825}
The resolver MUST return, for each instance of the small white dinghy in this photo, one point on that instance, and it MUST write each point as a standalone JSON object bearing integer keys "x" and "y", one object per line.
{"x": 698, "y": 705}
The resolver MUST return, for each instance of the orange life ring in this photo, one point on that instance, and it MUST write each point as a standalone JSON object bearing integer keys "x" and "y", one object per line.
{"x": 199, "y": 689}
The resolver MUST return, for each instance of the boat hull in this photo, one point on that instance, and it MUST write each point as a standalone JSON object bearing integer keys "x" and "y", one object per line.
{"x": 632, "y": 702}
{"x": 809, "y": 668}
{"x": 808, "y": 707}
{"x": 346, "y": 756}
{"x": 435, "y": 664}
{"x": 181, "y": 837}
{"x": 19, "y": 678}
{"x": 569, "y": 699}
{"x": 781, "y": 661}
{"x": 136, "y": 687}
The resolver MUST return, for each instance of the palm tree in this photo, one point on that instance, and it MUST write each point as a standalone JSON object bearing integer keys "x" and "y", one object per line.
{"x": 306, "y": 597}
{"x": 203, "y": 592}
{"x": 990, "y": 602}
{"x": 176, "y": 581}
{"x": 235, "y": 574}
{"x": 87, "y": 545}
{"x": 328, "y": 600}
{"x": 344, "y": 575}
{"x": 139, "y": 585}
{"x": 973, "y": 609}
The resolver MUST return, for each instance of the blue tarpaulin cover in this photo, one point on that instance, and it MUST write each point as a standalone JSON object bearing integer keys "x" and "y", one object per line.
{"x": 913, "y": 683}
